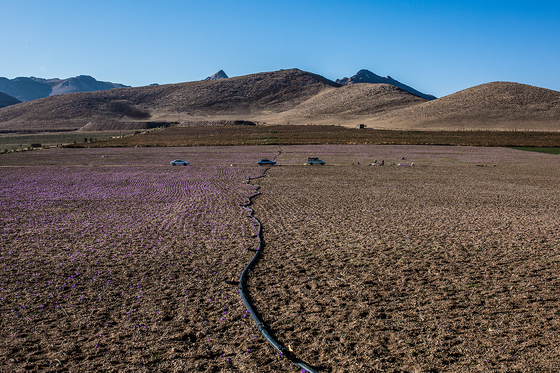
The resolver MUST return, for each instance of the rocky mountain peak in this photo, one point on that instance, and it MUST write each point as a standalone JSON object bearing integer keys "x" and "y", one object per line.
{"x": 366, "y": 76}
{"x": 362, "y": 76}
{"x": 217, "y": 76}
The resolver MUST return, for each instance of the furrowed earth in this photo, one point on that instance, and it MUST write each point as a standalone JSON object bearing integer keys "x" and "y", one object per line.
{"x": 113, "y": 260}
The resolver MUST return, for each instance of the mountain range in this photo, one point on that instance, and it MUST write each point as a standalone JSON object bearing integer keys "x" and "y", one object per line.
{"x": 27, "y": 89}
{"x": 32, "y": 88}
{"x": 290, "y": 96}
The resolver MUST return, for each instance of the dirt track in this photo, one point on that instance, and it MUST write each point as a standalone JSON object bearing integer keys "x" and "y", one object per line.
{"x": 450, "y": 265}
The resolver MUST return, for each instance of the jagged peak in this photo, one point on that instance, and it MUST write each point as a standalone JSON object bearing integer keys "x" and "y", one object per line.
{"x": 217, "y": 76}
{"x": 366, "y": 76}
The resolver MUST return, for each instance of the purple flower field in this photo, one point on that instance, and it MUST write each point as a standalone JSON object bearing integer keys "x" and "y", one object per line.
{"x": 114, "y": 260}
{"x": 108, "y": 255}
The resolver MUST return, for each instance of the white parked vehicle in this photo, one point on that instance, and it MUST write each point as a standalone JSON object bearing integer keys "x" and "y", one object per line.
{"x": 179, "y": 162}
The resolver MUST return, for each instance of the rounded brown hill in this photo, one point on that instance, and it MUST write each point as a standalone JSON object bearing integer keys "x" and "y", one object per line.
{"x": 352, "y": 102}
{"x": 497, "y": 105}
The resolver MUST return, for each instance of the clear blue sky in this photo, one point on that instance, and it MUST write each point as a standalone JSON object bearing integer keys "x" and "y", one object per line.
{"x": 437, "y": 47}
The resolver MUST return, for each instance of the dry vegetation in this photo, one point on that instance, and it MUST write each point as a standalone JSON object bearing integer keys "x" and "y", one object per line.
{"x": 18, "y": 141}
{"x": 114, "y": 260}
{"x": 316, "y": 134}
{"x": 351, "y": 102}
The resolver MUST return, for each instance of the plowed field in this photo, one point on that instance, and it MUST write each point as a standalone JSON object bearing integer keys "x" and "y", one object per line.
{"x": 114, "y": 260}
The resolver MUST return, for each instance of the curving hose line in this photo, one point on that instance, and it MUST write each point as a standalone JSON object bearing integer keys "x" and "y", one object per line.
{"x": 260, "y": 325}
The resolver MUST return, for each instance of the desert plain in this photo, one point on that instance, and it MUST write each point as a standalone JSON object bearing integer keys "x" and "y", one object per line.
{"x": 113, "y": 260}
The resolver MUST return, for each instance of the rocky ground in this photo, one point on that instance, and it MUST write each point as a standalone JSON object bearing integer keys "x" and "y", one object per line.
{"x": 112, "y": 260}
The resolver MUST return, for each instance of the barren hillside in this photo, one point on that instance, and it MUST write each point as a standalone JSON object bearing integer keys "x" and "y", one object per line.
{"x": 497, "y": 105}
{"x": 244, "y": 96}
{"x": 291, "y": 96}
{"x": 351, "y": 103}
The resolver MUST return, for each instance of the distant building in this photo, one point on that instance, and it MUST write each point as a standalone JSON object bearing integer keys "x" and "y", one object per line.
{"x": 360, "y": 126}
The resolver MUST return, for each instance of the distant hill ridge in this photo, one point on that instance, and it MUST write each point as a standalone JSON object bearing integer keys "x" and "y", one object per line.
{"x": 291, "y": 97}
{"x": 235, "y": 98}
{"x": 366, "y": 76}
{"x": 32, "y": 88}
{"x": 6, "y": 100}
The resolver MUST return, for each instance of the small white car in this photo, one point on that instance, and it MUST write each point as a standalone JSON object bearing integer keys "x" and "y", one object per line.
{"x": 179, "y": 162}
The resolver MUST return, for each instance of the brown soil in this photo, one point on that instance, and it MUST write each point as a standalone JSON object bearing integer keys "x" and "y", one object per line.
{"x": 449, "y": 265}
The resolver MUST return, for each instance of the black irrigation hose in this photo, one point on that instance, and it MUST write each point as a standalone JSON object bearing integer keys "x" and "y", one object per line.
{"x": 260, "y": 325}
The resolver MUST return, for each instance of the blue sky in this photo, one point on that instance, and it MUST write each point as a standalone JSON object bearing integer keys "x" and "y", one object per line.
{"x": 437, "y": 47}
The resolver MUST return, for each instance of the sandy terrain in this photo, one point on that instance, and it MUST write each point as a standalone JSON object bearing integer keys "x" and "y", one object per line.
{"x": 113, "y": 260}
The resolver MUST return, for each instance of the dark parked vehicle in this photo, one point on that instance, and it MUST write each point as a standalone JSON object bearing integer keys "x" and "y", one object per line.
{"x": 266, "y": 162}
{"x": 314, "y": 160}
